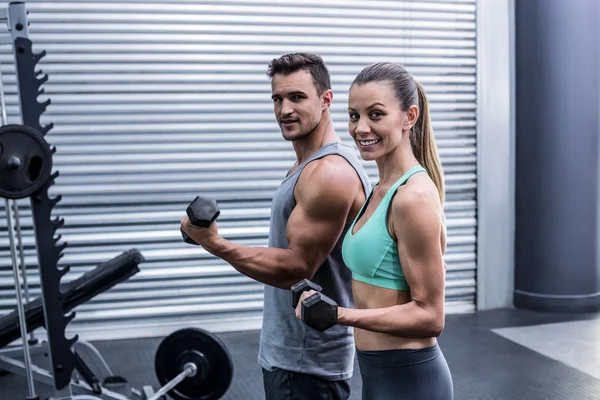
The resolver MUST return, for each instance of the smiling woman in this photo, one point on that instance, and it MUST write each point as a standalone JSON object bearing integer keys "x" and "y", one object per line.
{"x": 392, "y": 99}
{"x": 396, "y": 244}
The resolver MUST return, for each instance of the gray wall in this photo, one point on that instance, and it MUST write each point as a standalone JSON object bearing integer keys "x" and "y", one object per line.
{"x": 557, "y": 146}
{"x": 156, "y": 102}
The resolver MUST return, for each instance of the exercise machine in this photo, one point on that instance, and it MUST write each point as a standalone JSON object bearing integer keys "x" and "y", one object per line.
{"x": 190, "y": 363}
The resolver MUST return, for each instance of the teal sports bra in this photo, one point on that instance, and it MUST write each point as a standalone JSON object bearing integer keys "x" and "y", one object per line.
{"x": 371, "y": 253}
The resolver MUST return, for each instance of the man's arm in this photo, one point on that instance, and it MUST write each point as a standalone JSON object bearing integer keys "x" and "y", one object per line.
{"x": 324, "y": 194}
{"x": 417, "y": 222}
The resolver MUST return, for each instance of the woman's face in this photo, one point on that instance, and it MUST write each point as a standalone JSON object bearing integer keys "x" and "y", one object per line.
{"x": 376, "y": 119}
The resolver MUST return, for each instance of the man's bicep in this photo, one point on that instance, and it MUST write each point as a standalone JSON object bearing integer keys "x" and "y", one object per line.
{"x": 317, "y": 222}
{"x": 313, "y": 236}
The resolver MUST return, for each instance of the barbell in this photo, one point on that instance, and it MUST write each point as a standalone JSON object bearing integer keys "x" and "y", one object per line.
{"x": 192, "y": 364}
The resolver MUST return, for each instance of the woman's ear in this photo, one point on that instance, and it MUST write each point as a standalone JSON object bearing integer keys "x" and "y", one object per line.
{"x": 412, "y": 114}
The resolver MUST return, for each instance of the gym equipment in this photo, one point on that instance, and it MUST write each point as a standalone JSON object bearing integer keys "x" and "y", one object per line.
{"x": 24, "y": 158}
{"x": 173, "y": 361}
{"x": 25, "y": 171}
{"x": 202, "y": 367}
{"x": 75, "y": 292}
{"x": 317, "y": 311}
{"x": 201, "y": 212}
{"x": 91, "y": 384}
{"x": 192, "y": 364}
{"x": 25, "y": 161}
{"x": 301, "y": 287}
{"x": 49, "y": 252}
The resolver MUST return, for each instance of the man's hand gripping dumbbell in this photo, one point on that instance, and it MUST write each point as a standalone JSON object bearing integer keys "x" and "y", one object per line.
{"x": 201, "y": 216}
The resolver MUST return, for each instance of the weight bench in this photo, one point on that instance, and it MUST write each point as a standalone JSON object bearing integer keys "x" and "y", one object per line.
{"x": 75, "y": 293}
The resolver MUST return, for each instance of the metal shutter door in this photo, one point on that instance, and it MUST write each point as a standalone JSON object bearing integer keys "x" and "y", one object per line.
{"x": 155, "y": 103}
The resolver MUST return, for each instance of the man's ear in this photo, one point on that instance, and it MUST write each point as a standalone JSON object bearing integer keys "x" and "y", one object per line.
{"x": 326, "y": 99}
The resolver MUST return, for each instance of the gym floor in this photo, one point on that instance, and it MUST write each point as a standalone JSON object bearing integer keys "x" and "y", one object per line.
{"x": 495, "y": 355}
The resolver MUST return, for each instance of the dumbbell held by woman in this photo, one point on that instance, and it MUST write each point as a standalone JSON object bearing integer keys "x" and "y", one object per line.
{"x": 317, "y": 311}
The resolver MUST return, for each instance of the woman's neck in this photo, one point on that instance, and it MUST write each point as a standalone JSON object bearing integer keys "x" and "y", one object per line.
{"x": 395, "y": 164}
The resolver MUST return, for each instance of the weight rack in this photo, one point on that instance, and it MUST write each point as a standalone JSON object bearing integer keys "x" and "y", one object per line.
{"x": 49, "y": 247}
{"x": 190, "y": 363}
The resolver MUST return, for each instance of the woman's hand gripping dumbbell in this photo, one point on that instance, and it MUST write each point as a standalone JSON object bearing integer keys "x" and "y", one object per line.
{"x": 313, "y": 307}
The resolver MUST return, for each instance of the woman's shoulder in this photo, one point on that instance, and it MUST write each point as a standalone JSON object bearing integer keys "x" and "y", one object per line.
{"x": 418, "y": 195}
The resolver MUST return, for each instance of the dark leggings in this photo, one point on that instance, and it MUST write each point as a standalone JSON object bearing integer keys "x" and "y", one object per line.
{"x": 405, "y": 374}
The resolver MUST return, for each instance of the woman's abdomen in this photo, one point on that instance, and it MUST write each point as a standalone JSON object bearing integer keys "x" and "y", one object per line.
{"x": 368, "y": 297}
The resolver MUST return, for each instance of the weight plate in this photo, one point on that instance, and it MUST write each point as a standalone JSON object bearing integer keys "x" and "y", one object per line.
{"x": 215, "y": 367}
{"x": 25, "y": 161}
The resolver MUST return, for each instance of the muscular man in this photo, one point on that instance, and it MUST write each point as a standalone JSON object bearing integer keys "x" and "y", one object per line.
{"x": 311, "y": 211}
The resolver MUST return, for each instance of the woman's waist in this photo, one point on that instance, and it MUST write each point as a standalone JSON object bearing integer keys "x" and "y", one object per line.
{"x": 367, "y": 296}
{"x": 400, "y": 357}
{"x": 377, "y": 341}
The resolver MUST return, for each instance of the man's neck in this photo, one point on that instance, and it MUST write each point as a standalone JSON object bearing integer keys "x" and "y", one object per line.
{"x": 319, "y": 137}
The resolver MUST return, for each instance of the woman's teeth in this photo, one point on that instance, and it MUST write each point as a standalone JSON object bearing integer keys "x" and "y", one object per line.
{"x": 368, "y": 142}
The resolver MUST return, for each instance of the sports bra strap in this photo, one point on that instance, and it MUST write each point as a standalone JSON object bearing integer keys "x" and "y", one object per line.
{"x": 389, "y": 196}
{"x": 404, "y": 178}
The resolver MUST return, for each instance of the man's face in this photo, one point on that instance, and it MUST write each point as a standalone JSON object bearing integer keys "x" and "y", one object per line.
{"x": 298, "y": 107}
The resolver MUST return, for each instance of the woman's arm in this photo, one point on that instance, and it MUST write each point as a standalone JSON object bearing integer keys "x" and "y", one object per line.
{"x": 417, "y": 221}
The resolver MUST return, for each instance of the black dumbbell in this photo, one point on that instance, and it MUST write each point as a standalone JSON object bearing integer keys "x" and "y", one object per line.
{"x": 201, "y": 212}
{"x": 319, "y": 312}
{"x": 301, "y": 287}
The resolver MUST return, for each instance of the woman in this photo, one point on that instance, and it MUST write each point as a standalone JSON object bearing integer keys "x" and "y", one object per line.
{"x": 395, "y": 245}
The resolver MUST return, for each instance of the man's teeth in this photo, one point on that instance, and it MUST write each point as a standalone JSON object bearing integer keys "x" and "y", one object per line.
{"x": 368, "y": 142}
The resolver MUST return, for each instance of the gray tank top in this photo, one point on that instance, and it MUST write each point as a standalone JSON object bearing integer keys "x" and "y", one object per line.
{"x": 285, "y": 341}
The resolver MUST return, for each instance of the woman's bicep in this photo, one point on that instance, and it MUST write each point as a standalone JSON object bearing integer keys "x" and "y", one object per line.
{"x": 418, "y": 227}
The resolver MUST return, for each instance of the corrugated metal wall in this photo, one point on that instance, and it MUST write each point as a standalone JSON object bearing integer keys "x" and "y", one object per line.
{"x": 156, "y": 102}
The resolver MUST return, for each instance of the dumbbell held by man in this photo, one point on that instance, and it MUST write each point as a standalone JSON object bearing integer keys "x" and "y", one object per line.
{"x": 303, "y": 286}
{"x": 201, "y": 212}
{"x": 317, "y": 311}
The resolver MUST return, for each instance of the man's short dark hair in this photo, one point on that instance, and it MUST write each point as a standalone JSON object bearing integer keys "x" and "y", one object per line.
{"x": 290, "y": 63}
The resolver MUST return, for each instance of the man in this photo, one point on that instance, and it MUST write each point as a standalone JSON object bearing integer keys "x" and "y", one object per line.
{"x": 311, "y": 210}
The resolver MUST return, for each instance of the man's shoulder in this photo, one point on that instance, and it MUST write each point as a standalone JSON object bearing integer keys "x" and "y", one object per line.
{"x": 332, "y": 168}
{"x": 329, "y": 183}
